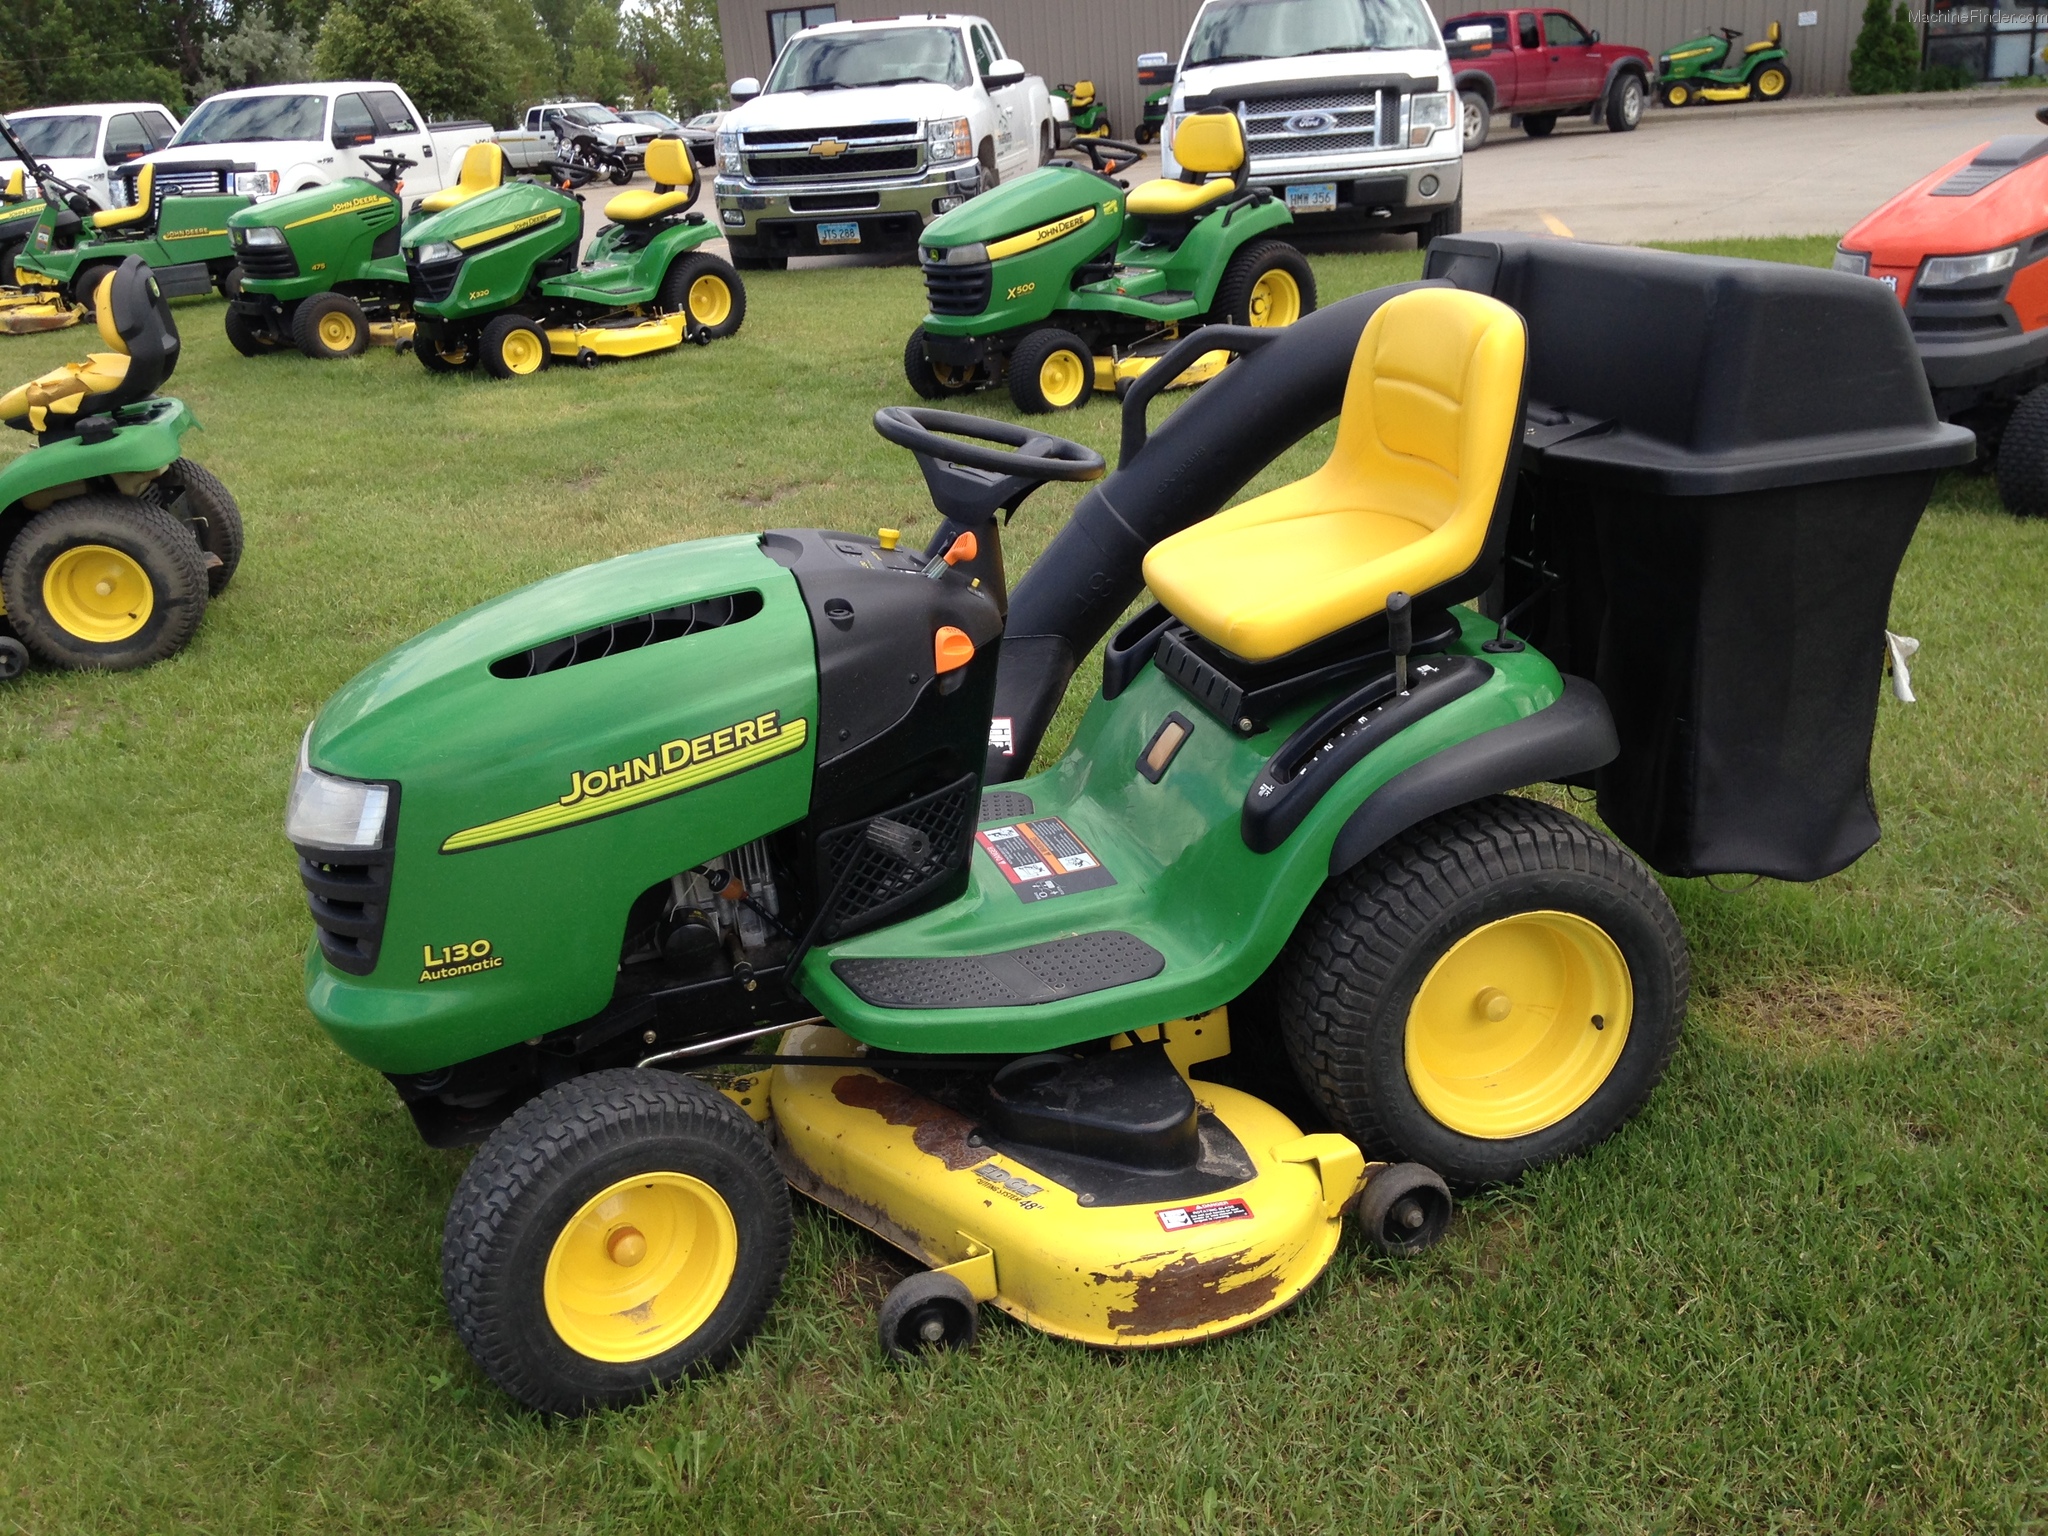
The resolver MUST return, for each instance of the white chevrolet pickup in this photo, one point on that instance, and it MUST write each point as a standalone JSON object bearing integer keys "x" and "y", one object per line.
{"x": 281, "y": 138}
{"x": 1347, "y": 108}
{"x": 868, "y": 130}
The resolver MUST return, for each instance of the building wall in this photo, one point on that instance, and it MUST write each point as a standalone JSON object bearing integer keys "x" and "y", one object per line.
{"x": 1067, "y": 40}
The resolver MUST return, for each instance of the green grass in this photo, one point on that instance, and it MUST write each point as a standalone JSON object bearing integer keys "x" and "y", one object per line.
{"x": 1803, "y": 1292}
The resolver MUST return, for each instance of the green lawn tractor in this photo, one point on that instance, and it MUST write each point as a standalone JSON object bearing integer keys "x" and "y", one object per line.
{"x": 496, "y": 278}
{"x": 1061, "y": 283}
{"x": 718, "y": 869}
{"x": 111, "y": 542}
{"x": 1087, "y": 113}
{"x": 1708, "y": 68}
{"x": 321, "y": 269}
{"x": 23, "y": 311}
{"x": 1156, "y": 73}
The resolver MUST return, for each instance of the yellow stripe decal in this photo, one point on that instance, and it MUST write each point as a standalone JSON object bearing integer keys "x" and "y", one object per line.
{"x": 1032, "y": 239}
{"x": 586, "y": 806}
{"x": 469, "y": 242}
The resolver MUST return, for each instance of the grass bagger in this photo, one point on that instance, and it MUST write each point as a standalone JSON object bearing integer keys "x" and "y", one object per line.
{"x": 321, "y": 269}
{"x": 111, "y": 542}
{"x": 1061, "y": 283}
{"x": 1962, "y": 249}
{"x": 1707, "y": 68}
{"x": 496, "y": 278}
{"x": 649, "y": 818}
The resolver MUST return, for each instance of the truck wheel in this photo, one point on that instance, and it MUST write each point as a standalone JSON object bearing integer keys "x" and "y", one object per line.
{"x": 1268, "y": 284}
{"x": 1476, "y": 115}
{"x": 708, "y": 290}
{"x": 991, "y": 178}
{"x": 1625, "y": 104}
{"x": 1051, "y": 370}
{"x": 246, "y": 336}
{"x": 211, "y": 513}
{"x": 513, "y": 347}
{"x": 930, "y": 380}
{"x": 1494, "y": 989}
{"x": 2021, "y": 468}
{"x": 1445, "y": 221}
{"x": 1538, "y": 124}
{"x": 104, "y": 582}
{"x": 1773, "y": 81}
{"x": 621, "y": 1231}
{"x": 329, "y": 326}
{"x": 747, "y": 256}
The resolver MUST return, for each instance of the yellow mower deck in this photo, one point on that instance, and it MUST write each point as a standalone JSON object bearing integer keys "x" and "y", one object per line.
{"x": 1112, "y": 371}
{"x": 635, "y": 338}
{"x": 391, "y": 333}
{"x": 36, "y": 306}
{"x": 1162, "y": 1271}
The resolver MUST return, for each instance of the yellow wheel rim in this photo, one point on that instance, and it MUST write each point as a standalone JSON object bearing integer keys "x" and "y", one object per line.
{"x": 710, "y": 300}
{"x": 1677, "y": 96}
{"x": 337, "y": 331}
{"x": 98, "y": 594}
{"x": 1770, "y": 83}
{"x": 640, "y": 1267}
{"x": 1063, "y": 378}
{"x": 952, "y": 376}
{"x": 1276, "y": 300}
{"x": 523, "y": 352}
{"x": 1518, "y": 1024}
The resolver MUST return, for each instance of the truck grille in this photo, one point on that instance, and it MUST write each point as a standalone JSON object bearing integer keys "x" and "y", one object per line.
{"x": 1357, "y": 121}
{"x": 803, "y": 138}
{"x": 951, "y": 290}
{"x": 268, "y": 263}
{"x": 431, "y": 284}
{"x": 194, "y": 181}
{"x": 348, "y": 901}
{"x": 809, "y": 167}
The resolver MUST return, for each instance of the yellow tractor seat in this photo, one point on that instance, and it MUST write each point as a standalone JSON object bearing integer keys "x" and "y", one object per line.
{"x": 16, "y": 187}
{"x": 1774, "y": 36}
{"x": 1409, "y": 500}
{"x": 483, "y": 167}
{"x": 135, "y": 322}
{"x": 675, "y": 186}
{"x": 1207, "y": 144}
{"x": 1084, "y": 93}
{"x": 136, "y": 212}
{"x": 63, "y": 390}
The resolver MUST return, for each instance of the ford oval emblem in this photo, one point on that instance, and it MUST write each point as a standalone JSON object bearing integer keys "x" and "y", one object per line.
{"x": 1311, "y": 122}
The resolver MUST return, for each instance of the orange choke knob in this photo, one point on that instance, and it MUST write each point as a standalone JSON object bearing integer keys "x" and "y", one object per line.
{"x": 964, "y": 548}
{"x": 951, "y": 649}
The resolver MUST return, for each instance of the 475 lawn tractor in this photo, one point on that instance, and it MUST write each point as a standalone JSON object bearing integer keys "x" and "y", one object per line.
{"x": 111, "y": 543}
{"x": 1062, "y": 283}
{"x": 580, "y": 843}
{"x": 496, "y": 278}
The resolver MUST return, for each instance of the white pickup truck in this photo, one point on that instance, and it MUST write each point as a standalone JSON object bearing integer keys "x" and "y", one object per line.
{"x": 868, "y": 130}
{"x": 1347, "y": 108}
{"x": 81, "y": 143}
{"x": 532, "y": 147}
{"x": 283, "y": 138}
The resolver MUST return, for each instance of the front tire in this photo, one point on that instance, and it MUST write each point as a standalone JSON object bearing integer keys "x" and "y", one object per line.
{"x": 621, "y": 1231}
{"x": 246, "y": 336}
{"x": 329, "y": 326}
{"x": 709, "y": 291}
{"x": 1267, "y": 284}
{"x": 1625, "y": 104}
{"x": 1476, "y": 118}
{"x": 1677, "y": 94}
{"x": 215, "y": 519}
{"x": 104, "y": 582}
{"x": 513, "y": 347}
{"x": 1051, "y": 370}
{"x": 2021, "y": 468}
{"x": 1494, "y": 989}
{"x": 930, "y": 380}
{"x": 1539, "y": 124}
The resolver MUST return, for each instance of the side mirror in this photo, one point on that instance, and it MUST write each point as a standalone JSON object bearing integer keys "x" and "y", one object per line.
{"x": 122, "y": 156}
{"x": 1475, "y": 34}
{"x": 1595, "y": 36}
{"x": 1003, "y": 72}
{"x": 353, "y": 140}
{"x": 745, "y": 89}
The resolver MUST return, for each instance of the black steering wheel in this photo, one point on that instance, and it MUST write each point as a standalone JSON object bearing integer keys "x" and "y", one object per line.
{"x": 1108, "y": 156}
{"x": 997, "y": 466}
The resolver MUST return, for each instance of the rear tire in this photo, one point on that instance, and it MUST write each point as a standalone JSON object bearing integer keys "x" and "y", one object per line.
{"x": 708, "y": 290}
{"x": 330, "y": 326}
{"x": 1051, "y": 370}
{"x": 1445, "y": 221}
{"x": 1777, "y": 78}
{"x": 1476, "y": 118}
{"x": 85, "y": 282}
{"x": 246, "y": 336}
{"x": 214, "y": 518}
{"x": 2021, "y": 468}
{"x": 9, "y": 249}
{"x": 1625, "y": 104}
{"x": 1539, "y": 124}
{"x": 513, "y": 347}
{"x": 932, "y": 381}
{"x": 1267, "y": 284}
{"x": 104, "y": 582}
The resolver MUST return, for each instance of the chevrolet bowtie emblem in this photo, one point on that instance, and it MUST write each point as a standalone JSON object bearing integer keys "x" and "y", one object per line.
{"x": 829, "y": 147}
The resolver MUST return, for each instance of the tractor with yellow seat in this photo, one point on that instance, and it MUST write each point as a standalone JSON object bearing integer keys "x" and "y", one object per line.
{"x": 496, "y": 278}
{"x": 1065, "y": 282}
{"x": 721, "y": 870}
{"x": 321, "y": 269}
{"x": 111, "y": 542}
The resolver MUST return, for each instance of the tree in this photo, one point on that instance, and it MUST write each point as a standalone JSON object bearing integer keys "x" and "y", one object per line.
{"x": 257, "y": 52}
{"x": 674, "y": 43}
{"x": 597, "y": 70}
{"x": 1887, "y": 52}
{"x": 444, "y": 52}
{"x": 52, "y": 53}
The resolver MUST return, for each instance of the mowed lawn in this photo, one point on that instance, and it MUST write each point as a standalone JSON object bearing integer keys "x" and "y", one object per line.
{"x": 1805, "y": 1291}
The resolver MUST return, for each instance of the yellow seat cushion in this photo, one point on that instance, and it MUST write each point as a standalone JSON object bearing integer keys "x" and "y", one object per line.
{"x": 1209, "y": 143}
{"x": 483, "y": 167}
{"x": 62, "y": 390}
{"x": 638, "y": 207}
{"x": 135, "y": 212}
{"x": 1166, "y": 198}
{"x": 1403, "y": 504}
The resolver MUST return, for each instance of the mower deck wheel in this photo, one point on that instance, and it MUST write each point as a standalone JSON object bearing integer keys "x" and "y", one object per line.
{"x": 1267, "y": 284}
{"x": 708, "y": 290}
{"x": 104, "y": 581}
{"x": 513, "y": 347}
{"x": 930, "y": 380}
{"x": 2021, "y": 467}
{"x": 1403, "y": 1209}
{"x": 928, "y": 1311}
{"x": 13, "y": 658}
{"x": 330, "y": 325}
{"x": 245, "y": 336}
{"x": 1051, "y": 370}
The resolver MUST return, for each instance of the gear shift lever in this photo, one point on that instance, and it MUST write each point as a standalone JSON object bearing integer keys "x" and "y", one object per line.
{"x": 1400, "y": 636}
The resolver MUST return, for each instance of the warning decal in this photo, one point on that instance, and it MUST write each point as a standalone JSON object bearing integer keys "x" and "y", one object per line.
{"x": 1043, "y": 858}
{"x": 1179, "y": 1218}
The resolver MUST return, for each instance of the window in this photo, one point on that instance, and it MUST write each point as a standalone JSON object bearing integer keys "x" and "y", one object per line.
{"x": 1560, "y": 31}
{"x": 1237, "y": 31}
{"x": 1991, "y": 43}
{"x": 783, "y": 25}
{"x": 1530, "y": 39}
{"x": 159, "y": 128}
{"x": 879, "y": 56}
{"x": 982, "y": 57}
{"x": 255, "y": 120}
{"x": 995, "y": 43}
{"x": 352, "y": 119}
{"x": 58, "y": 138}
{"x": 126, "y": 138}
{"x": 391, "y": 113}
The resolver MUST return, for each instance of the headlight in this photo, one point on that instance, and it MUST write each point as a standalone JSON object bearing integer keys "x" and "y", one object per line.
{"x": 729, "y": 149}
{"x": 1942, "y": 271}
{"x": 327, "y": 812}
{"x": 1427, "y": 112}
{"x": 956, "y": 255}
{"x": 1855, "y": 263}
{"x": 256, "y": 183}
{"x": 950, "y": 138}
{"x": 264, "y": 235}
{"x": 440, "y": 250}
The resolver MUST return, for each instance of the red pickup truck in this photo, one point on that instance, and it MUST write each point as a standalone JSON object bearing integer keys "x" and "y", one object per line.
{"x": 1539, "y": 66}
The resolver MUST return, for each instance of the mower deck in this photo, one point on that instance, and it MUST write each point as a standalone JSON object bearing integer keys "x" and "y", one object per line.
{"x": 625, "y": 336}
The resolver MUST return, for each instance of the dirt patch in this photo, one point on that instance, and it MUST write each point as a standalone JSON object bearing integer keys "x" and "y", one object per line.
{"x": 859, "y": 1285}
{"x": 758, "y": 499}
{"x": 934, "y": 1129}
{"x": 1189, "y": 1293}
{"x": 1815, "y": 1013}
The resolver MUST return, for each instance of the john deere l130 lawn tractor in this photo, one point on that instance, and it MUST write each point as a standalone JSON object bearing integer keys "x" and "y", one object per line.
{"x": 111, "y": 542}
{"x": 1061, "y": 283}
{"x": 760, "y": 806}
{"x": 496, "y": 278}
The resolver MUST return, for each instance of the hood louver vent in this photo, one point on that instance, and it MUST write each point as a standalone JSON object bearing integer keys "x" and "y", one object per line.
{"x": 630, "y": 635}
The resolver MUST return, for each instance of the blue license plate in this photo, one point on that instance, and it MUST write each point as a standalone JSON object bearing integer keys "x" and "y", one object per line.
{"x": 839, "y": 234}
{"x": 1312, "y": 197}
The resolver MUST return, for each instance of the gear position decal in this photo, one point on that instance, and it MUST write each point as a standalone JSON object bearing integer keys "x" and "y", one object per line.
{"x": 1042, "y": 859}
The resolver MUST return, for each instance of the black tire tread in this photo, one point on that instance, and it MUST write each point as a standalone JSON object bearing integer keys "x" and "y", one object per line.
{"x": 2021, "y": 468}
{"x": 1234, "y": 290}
{"x": 182, "y": 600}
{"x": 244, "y": 336}
{"x": 1029, "y": 357}
{"x": 684, "y": 272}
{"x": 210, "y": 504}
{"x": 306, "y": 325}
{"x": 490, "y": 345}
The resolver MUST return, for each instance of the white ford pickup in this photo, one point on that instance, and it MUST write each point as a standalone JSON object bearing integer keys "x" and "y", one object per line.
{"x": 282, "y": 138}
{"x": 868, "y": 130}
{"x": 81, "y": 143}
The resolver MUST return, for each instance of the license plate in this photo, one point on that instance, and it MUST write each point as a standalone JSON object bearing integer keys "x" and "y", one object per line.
{"x": 839, "y": 234}
{"x": 1312, "y": 197}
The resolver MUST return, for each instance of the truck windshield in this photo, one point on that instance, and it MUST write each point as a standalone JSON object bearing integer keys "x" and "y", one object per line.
{"x": 839, "y": 61}
{"x": 57, "y": 138}
{"x": 254, "y": 120}
{"x": 1235, "y": 31}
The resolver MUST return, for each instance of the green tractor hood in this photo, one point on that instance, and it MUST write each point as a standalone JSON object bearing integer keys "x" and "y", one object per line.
{"x": 503, "y": 213}
{"x": 331, "y": 232}
{"x": 480, "y": 255}
{"x": 1031, "y": 208}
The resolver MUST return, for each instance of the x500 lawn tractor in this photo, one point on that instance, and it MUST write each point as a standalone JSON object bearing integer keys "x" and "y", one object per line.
{"x": 759, "y": 806}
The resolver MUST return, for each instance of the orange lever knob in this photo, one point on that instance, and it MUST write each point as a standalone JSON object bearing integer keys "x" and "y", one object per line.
{"x": 951, "y": 649}
{"x": 964, "y": 548}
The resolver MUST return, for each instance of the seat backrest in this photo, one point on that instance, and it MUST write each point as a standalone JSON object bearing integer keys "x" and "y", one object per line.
{"x": 1209, "y": 144}
{"x": 483, "y": 167}
{"x": 15, "y": 186}
{"x": 1084, "y": 93}
{"x": 145, "y": 187}
{"x": 1774, "y": 34}
{"x": 135, "y": 318}
{"x": 1433, "y": 408}
{"x": 668, "y": 163}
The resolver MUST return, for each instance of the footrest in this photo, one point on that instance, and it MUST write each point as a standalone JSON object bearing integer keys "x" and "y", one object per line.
{"x": 1038, "y": 973}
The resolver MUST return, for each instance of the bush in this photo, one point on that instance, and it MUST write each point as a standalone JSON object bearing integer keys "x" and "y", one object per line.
{"x": 1887, "y": 52}
{"x": 444, "y": 52}
{"x": 1945, "y": 77}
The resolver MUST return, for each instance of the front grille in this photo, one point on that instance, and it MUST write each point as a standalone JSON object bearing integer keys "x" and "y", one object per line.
{"x": 765, "y": 138}
{"x": 961, "y": 290}
{"x": 193, "y": 183}
{"x": 349, "y": 894}
{"x": 807, "y": 167}
{"x": 269, "y": 263}
{"x": 432, "y": 284}
{"x": 1359, "y": 120}
{"x": 1974, "y": 309}
{"x": 879, "y": 884}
